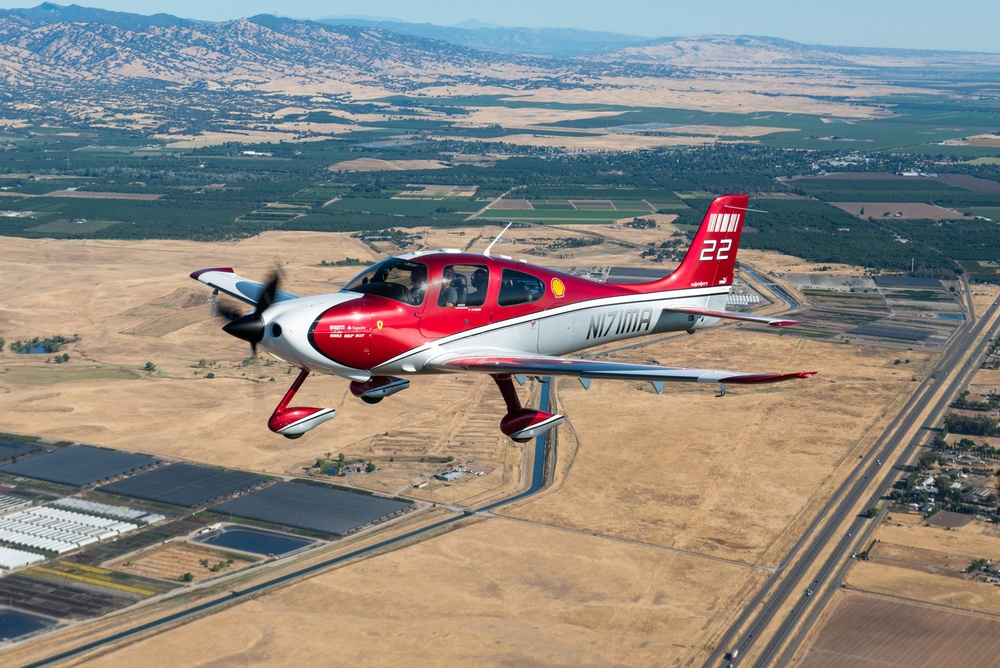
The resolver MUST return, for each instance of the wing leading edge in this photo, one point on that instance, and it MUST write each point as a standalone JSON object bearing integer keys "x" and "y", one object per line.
{"x": 224, "y": 279}
{"x": 589, "y": 369}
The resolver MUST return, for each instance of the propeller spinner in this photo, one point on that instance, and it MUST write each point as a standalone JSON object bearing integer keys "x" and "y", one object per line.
{"x": 250, "y": 327}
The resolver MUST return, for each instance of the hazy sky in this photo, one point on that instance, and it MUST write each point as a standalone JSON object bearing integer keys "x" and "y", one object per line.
{"x": 960, "y": 25}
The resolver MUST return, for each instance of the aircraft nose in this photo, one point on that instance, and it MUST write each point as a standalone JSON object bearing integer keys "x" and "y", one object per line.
{"x": 250, "y": 328}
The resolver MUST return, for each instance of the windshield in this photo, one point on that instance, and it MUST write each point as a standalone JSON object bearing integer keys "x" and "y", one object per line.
{"x": 395, "y": 278}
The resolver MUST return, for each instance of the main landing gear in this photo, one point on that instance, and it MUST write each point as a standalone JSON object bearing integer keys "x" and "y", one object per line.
{"x": 522, "y": 424}
{"x": 297, "y": 420}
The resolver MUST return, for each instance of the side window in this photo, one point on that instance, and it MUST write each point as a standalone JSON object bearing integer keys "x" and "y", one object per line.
{"x": 517, "y": 287}
{"x": 464, "y": 285}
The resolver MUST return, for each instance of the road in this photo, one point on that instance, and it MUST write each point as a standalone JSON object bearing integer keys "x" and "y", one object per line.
{"x": 802, "y": 569}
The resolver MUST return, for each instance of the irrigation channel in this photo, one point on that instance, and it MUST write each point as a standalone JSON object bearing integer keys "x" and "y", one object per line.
{"x": 537, "y": 481}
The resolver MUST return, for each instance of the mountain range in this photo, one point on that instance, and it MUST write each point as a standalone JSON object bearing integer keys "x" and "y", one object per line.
{"x": 54, "y": 56}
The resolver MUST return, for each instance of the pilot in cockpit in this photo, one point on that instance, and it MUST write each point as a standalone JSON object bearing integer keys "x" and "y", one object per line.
{"x": 449, "y": 291}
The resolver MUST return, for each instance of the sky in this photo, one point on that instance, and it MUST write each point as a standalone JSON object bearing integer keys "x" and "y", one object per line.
{"x": 955, "y": 25}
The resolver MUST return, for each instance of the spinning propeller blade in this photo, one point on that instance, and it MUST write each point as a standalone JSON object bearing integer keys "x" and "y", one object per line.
{"x": 250, "y": 327}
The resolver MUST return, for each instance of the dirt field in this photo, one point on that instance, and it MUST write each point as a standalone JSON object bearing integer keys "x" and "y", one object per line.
{"x": 927, "y": 563}
{"x": 988, "y": 140}
{"x": 730, "y": 480}
{"x": 495, "y": 593}
{"x": 696, "y": 472}
{"x": 868, "y": 631}
{"x": 970, "y": 182}
{"x": 436, "y": 191}
{"x": 903, "y": 210}
{"x": 174, "y": 560}
{"x": 512, "y": 205}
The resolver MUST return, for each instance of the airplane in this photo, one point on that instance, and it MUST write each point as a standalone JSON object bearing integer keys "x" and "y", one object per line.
{"x": 449, "y": 311}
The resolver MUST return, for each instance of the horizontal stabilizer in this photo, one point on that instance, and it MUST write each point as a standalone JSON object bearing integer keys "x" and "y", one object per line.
{"x": 733, "y": 315}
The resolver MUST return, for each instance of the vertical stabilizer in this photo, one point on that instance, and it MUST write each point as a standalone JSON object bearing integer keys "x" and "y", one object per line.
{"x": 711, "y": 259}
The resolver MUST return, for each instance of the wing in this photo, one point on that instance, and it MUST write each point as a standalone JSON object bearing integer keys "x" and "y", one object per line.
{"x": 224, "y": 279}
{"x": 586, "y": 369}
{"x": 732, "y": 315}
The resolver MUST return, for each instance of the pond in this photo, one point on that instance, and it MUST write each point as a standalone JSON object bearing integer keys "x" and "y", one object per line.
{"x": 257, "y": 541}
{"x": 37, "y": 349}
{"x": 14, "y": 623}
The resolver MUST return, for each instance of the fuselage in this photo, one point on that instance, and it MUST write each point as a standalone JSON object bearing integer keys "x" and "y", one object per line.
{"x": 401, "y": 314}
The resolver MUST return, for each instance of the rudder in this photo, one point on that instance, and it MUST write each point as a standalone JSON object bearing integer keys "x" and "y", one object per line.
{"x": 711, "y": 259}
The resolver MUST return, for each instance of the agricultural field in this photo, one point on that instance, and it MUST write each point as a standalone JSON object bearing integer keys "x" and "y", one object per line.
{"x": 865, "y": 630}
{"x": 101, "y": 183}
{"x": 176, "y": 560}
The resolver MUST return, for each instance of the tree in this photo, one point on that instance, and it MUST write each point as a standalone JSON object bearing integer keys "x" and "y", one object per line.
{"x": 187, "y": 577}
{"x": 872, "y": 512}
{"x": 370, "y": 467}
{"x": 150, "y": 367}
{"x": 65, "y": 357}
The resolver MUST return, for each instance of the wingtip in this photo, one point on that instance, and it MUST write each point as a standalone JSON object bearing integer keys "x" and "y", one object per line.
{"x": 197, "y": 274}
{"x": 784, "y": 323}
{"x": 755, "y": 378}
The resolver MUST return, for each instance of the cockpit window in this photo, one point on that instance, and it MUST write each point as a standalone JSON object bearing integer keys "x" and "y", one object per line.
{"x": 517, "y": 287}
{"x": 395, "y": 278}
{"x": 464, "y": 285}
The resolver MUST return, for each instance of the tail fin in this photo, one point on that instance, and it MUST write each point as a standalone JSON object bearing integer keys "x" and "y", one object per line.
{"x": 711, "y": 258}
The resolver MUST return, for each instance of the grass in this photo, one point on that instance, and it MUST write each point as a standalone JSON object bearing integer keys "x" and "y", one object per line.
{"x": 64, "y": 373}
{"x": 550, "y": 216}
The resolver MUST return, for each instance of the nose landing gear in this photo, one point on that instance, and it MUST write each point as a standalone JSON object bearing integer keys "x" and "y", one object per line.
{"x": 297, "y": 420}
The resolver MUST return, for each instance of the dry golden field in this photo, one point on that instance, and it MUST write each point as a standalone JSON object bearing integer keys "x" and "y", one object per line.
{"x": 496, "y": 592}
{"x": 665, "y": 513}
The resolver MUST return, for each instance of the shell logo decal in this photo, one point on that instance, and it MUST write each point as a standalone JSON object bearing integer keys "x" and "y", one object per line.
{"x": 379, "y": 324}
{"x": 558, "y": 288}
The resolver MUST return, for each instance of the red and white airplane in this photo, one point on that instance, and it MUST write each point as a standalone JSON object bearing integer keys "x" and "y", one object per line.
{"x": 449, "y": 311}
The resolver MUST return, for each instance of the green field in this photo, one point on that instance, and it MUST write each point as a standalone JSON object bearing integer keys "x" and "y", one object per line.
{"x": 219, "y": 192}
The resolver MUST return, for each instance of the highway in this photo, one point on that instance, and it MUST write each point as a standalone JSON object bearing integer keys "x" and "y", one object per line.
{"x": 541, "y": 445}
{"x": 801, "y": 570}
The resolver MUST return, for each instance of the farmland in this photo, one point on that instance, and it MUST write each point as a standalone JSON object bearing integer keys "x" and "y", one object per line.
{"x": 103, "y": 183}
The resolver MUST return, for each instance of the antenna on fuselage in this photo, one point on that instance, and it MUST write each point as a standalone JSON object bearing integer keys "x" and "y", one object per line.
{"x": 496, "y": 239}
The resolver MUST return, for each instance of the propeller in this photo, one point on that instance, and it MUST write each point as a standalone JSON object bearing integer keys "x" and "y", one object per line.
{"x": 250, "y": 327}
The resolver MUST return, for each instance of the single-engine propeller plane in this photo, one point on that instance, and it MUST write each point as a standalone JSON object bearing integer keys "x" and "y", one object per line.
{"x": 449, "y": 311}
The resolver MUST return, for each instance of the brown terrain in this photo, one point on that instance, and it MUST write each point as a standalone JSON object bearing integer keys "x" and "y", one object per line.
{"x": 665, "y": 514}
